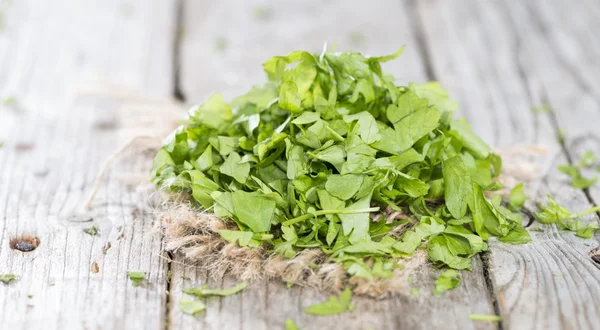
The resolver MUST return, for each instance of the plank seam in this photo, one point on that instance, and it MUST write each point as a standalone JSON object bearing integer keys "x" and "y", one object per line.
{"x": 489, "y": 284}
{"x": 177, "y": 42}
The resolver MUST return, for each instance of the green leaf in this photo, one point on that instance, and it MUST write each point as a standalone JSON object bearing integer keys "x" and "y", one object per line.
{"x": 449, "y": 279}
{"x": 190, "y": 306}
{"x": 368, "y": 130}
{"x": 552, "y": 212}
{"x": 458, "y": 189}
{"x": 205, "y": 291}
{"x": 243, "y": 238}
{"x": 332, "y": 306}
{"x": 517, "y": 198}
{"x": 234, "y": 168}
{"x": 343, "y": 186}
{"x": 485, "y": 317}
{"x": 253, "y": 210}
{"x": 588, "y": 159}
{"x": 470, "y": 141}
{"x": 214, "y": 113}
{"x": 412, "y": 119}
{"x": 335, "y": 155}
{"x": 136, "y": 276}
{"x": 290, "y": 325}
{"x": 7, "y": 278}
{"x": 518, "y": 235}
{"x": 356, "y": 225}
{"x": 93, "y": 230}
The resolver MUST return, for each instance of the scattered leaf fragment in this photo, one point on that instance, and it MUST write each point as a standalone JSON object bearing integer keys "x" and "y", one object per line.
{"x": 205, "y": 291}
{"x": 191, "y": 306}
{"x": 517, "y": 198}
{"x": 7, "y": 278}
{"x": 290, "y": 325}
{"x": 93, "y": 230}
{"x": 332, "y": 306}
{"x": 95, "y": 267}
{"x": 485, "y": 317}
{"x": 415, "y": 292}
{"x": 136, "y": 276}
{"x": 449, "y": 279}
{"x": 544, "y": 108}
{"x": 9, "y": 101}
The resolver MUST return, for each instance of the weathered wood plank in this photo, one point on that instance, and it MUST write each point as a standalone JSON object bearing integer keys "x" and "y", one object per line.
{"x": 56, "y": 137}
{"x": 493, "y": 56}
{"x": 293, "y": 25}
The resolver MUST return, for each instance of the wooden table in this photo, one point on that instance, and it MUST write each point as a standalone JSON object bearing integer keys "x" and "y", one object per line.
{"x": 88, "y": 75}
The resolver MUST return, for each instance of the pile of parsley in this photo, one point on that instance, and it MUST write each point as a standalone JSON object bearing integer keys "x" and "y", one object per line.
{"x": 307, "y": 159}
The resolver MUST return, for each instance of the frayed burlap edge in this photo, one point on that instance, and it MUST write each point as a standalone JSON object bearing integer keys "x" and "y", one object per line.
{"x": 194, "y": 234}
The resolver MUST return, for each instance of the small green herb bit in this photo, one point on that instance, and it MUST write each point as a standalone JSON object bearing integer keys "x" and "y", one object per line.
{"x": 93, "y": 230}
{"x": 517, "y": 198}
{"x": 136, "y": 276}
{"x": 449, "y": 279}
{"x": 544, "y": 108}
{"x": 205, "y": 291}
{"x": 485, "y": 317}
{"x": 9, "y": 101}
{"x": 588, "y": 159}
{"x": 333, "y": 306}
{"x": 7, "y": 278}
{"x": 190, "y": 306}
{"x": 290, "y": 325}
{"x": 415, "y": 292}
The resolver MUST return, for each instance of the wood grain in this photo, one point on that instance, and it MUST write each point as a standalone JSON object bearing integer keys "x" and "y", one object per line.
{"x": 56, "y": 136}
{"x": 494, "y": 56}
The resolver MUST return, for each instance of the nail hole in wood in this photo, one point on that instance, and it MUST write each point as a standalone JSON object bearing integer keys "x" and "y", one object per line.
{"x": 25, "y": 243}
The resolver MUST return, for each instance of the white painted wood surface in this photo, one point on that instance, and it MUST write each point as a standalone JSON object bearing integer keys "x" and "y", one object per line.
{"x": 56, "y": 136}
{"x": 498, "y": 59}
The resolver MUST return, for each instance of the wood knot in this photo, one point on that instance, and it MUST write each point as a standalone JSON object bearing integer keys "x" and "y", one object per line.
{"x": 25, "y": 243}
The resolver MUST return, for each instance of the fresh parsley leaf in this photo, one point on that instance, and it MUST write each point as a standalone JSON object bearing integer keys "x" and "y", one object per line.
{"x": 7, "y": 278}
{"x": 544, "y": 108}
{"x": 290, "y": 325}
{"x": 449, "y": 279}
{"x": 552, "y": 212}
{"x": 588, "y": 159}
{"x": 93, "y": 230}
{"x": 190, "y": 306}
{"x": 9, "y": 101}
{"x": 205, "y": 291}
{"x": 136, "y": 276}
{"x": 517, "y": 198}
{"x": 333, "y": 306}
{"x": 458, "y": 187}
{"x": 518, "y": 235}
{"x": 484, "y": 317}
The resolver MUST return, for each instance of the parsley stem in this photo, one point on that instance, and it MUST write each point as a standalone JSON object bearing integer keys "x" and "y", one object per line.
{"x": 324, "y": 212}
{"x": 582, "y": 213}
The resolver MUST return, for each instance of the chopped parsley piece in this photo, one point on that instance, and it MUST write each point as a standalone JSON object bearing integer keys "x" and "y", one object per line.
{"x": 449, "y": 279}
{"x": 7, "y": 278}
{"x": 333, "y": 306}
{"x": 136, "y": 276}
{"x": 205, "y": 291}
{"x": 190, "y": 306}
{"x": 93, "y": 230}
{"x": 485, "y": 317}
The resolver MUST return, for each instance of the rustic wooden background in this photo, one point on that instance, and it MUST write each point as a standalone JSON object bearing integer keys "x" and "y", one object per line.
{"x": 88, "y": 75}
